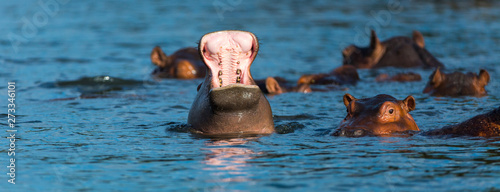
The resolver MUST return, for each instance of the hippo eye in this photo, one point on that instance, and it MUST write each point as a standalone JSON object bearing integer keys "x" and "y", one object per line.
{"x": 391, "y": 111}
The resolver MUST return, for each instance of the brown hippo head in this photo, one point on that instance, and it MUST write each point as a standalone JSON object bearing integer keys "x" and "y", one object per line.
{"x": 229, "y": 101}
{"x": 183, "y": 64}
{"x": 457, "y": 84}
{"x": 394, "y": 52}
{"x": 382, "y": 115}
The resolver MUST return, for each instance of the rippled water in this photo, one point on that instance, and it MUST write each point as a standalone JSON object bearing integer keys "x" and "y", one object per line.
{"x": 81, "y": 132}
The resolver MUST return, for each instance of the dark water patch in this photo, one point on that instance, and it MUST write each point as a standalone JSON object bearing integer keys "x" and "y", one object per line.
{"x": 27, "y": 61}
{"x": 131, "y": 45}
{"x": 42, "y": 129}
{"x": 98, "y": 84}
{"x": 65, "y": 60}
{"x": 294, "y": 117}
{"x": 117, "y": 59}
{"x": 25, "y": 122}
{"x": 340, "y": 24}
{"x": 282, "y": 186}
{"x": 290, "y": 127}
{"x": 179, "y": 107}
{"x": 176, "y": 127}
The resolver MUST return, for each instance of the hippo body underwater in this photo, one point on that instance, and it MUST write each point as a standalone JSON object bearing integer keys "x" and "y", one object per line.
{"x": 339, "y": 76}
{"x": 228, "y": 100}
{"x": 383, "y": 115}
{"x": 278, "y": 85}
{"x": 400, "y": 51}
{"x": 400, "y": 77}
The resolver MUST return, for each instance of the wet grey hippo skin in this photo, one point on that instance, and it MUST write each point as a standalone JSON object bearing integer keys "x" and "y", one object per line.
{"x": 228, "y": 100}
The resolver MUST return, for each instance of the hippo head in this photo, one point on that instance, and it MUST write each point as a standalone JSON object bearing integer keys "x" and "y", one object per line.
{"x": 457, "y": 84}
{"x": 382, "y": 115}
{"x": 228, "y": 100}
{"x": 364, "y": 57}
{"x": 228, "y": 56}
{"x": 395, "y": 52}
{"x": 183, "y": 64}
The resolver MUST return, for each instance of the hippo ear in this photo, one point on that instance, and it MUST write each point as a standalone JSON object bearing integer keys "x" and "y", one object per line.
{"x": 305, "y": 79}
{"x": 484, "y": 77}
{"x": 376, "y": 47}
{"x": 159, "y": 58}
{"x": 437, "y": 77}
{"x": 418, "y": 38}
{"x": 272, "y": 86}
{"x": 199, "y": 86}
{"x": 374, "y": 41}
{"x": 348, "y": 98}
{"x": 409, "y": 102}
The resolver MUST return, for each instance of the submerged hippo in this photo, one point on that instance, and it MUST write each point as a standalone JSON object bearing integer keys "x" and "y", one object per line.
{"x": 383, "y": 115}
{"x": 339, "y": 76}
{"x": 400, "y": 77}
{"x": 277, "y": 85}
{"x": 394, "y": 52}
{"x": 183, "y": 64}
{"x": 457, "y": 84}
{"x": 228, "y": 100}
{"x": 484, "y": 125}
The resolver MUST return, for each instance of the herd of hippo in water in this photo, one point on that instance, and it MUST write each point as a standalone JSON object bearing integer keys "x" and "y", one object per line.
{"x": 230, "y": 101}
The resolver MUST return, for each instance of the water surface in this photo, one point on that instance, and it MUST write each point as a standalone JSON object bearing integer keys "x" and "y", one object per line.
{"x": 80, "y": 132}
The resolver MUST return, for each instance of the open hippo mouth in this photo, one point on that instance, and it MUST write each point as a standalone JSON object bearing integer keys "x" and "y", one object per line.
{"x": 228, "y": 56}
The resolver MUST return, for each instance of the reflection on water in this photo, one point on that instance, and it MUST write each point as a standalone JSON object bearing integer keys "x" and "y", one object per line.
{"x": 228, "y": 158}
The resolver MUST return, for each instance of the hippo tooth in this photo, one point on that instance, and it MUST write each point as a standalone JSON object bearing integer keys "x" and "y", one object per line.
{"x": 238, "y": 71}
{"x": 238, "y": 62}
{"x": 220, "y": 82}
{"x": 238, "y": 79}
{"x": 220, "y": 73}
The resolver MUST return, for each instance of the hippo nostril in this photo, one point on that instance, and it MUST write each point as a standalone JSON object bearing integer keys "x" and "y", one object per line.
{"x": 358, "y": 132}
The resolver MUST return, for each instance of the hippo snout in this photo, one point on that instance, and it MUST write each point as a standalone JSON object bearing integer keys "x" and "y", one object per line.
{"x": 358, "y": 132}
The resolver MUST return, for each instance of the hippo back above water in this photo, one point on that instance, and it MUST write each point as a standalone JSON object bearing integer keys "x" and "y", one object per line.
{"x": 395, "y": 52}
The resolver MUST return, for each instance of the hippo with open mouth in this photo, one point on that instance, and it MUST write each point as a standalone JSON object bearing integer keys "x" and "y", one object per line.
{"x": 228, "y": 100}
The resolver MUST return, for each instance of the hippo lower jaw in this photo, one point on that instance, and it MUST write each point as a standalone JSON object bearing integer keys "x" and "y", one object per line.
{"x": 234, "y": 97}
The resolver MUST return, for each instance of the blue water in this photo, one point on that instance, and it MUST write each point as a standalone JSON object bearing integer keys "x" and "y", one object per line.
{"x": 78, "y": 135}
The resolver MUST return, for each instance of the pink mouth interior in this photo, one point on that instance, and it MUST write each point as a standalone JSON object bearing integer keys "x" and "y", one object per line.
{"x": 228, "y": 55}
